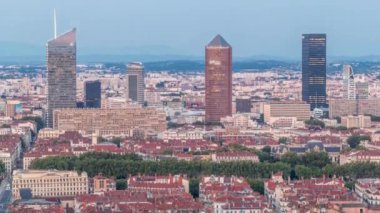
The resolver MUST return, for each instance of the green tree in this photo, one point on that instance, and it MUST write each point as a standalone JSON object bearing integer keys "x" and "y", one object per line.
{"x": 194, "y": 187}
{"x": 117, "y": 141}
{"x": 121, "y": 184}
{"x": 315, "y": 159}
{"x": 2, "y": 168}
{"x": 291, "y": 158}
{"x": 315, "y": 122}
{"x": 5, "y": 126}
{"x": 307, "y": 172}
{"x": 283, "y": 140}
{"x": 354, "y": 140}
{"x": 167, "y": 152}
{"x": 338, "y": 119}
{"x": 257, "y": 185}
{"x": 121, "y": 166}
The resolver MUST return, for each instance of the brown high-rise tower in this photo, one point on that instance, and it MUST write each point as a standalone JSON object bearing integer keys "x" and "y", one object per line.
{"x": 61, "y": 73}
{"x": 218, "y": 83}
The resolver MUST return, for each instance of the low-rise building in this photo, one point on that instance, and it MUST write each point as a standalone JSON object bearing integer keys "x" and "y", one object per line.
{"x": 101, "y": 184}
{"x": 368, "y": 190}
{"x": 137, "y": 201}
{"x": 332, "y": 149}
{"x": 10, "y": 149}
{"x": 49, "y": 183}
{"x": 306, "y": 195}
{"x": 171, "y": 183}
{"x": 49, "y": 133}
{"x": 231, "y": 194}
{"x": 110, "y": 121}
{"x": 360, "y": 156}
{"x": 234, "y": 156}
{"x": 286, "y": 109}
{"x": 359, "y": 121}
{"x": 340, "y": 107}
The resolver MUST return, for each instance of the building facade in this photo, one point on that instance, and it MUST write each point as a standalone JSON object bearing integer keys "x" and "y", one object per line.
{"x": 49, "y": 183}
{"x": 340, "y": 107}
{"x": 243, "y": 105}
{"x": 301, "y": 111}
{"x": 93, "y": 94}
{"x": 368, "y": 190}
{"x": 10, "y": 108}
{"x": 218, "y": 97}
{"x": 61, "y": 74}
{"x": 360, "y": 121}
{"x": 362, "y": 90}
{"x": 110, "y": 121}
{"x": 135, "y": 82}
{"x": 314, "y": 70}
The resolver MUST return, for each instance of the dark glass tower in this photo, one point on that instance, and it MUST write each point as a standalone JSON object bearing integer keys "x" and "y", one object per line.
{"x": 92, "y": 94}
{"x": 135, "y": 82}
{"x": 314, "y": 70}
{"x": 218, "y": 81}
{"x": 61, "y": 74}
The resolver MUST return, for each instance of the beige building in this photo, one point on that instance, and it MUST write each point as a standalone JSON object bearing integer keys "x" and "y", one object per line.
{"x": 360, "y": 121}
{"x": 368, "y": 189}
{"x": 299, "y": 110}
{"x": 114, "y": 103}
{"x": 10, "y": 108}
{"x": 49, "y": 133}
{"x": 110, "y": 121}
{"x": 49, "y": 183}
{"x": 339, "y": 107}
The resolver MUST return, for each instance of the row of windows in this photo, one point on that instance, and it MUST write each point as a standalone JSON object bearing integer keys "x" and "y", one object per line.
{"x": 50, "y": 180}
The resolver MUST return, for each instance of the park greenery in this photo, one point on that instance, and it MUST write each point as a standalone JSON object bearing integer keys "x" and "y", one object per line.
{"x": 312, "y": 164}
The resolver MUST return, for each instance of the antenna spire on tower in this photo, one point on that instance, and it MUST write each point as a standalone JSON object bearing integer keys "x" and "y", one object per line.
{"x": 55, "y": 24}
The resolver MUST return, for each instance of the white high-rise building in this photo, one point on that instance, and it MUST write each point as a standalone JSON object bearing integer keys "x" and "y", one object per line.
{"x": 348, "y": 83}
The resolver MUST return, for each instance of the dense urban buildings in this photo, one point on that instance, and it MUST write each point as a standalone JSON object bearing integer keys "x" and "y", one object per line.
{"x": 135, "y": 82}
{"x": 218, "y": 79}
{"x": 110, "y": 121}
{"x": 314, "y": 70}
{"x": 61, "y": 74}
{"x": 93, "y": 94}
{"x": 183, "y": 136}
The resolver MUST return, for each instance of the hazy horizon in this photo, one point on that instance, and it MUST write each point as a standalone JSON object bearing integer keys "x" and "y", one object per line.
{"x": 269, "y": 28}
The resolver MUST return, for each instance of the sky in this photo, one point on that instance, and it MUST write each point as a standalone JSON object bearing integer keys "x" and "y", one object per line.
{"x": 267, "y": 28}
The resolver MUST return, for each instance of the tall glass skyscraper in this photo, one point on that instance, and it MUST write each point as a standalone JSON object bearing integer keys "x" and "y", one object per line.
{"x": 93, "y": 92}
{"x": 314, "y": 70}
{"x": 218, "y": 80}
{"x": 61, "y": 74}
{"x": 135, "y": 82}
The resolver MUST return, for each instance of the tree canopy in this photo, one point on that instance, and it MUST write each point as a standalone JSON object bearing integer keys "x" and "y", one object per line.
{"x": 354, "y": 140}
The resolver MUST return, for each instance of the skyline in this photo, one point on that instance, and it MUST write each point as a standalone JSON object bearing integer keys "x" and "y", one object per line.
{"x": 116, "y": 29}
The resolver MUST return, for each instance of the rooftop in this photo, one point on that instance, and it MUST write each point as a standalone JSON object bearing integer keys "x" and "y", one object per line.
{"x": 218, "y": 41}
